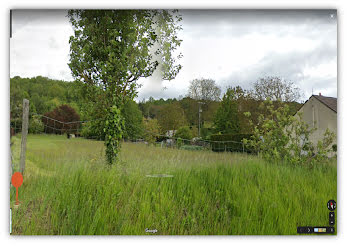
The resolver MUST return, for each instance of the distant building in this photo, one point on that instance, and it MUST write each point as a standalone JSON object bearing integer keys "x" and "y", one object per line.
{"x": 170, "y": 141}
{"x": 170, "y": 133}
{"x": 320, "y": 112}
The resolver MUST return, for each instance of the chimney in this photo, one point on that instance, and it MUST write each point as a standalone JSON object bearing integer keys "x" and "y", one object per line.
{"x": 319, "y": 94}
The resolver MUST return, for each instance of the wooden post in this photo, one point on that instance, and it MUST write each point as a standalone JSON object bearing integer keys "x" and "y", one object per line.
{"x": 24, "y": 134}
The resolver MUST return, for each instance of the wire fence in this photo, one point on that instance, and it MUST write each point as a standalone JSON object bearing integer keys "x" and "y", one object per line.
{"x": 74, "y": 129}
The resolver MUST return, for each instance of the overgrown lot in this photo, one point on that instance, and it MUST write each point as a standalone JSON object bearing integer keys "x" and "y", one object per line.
{"x": 68, "y": 189}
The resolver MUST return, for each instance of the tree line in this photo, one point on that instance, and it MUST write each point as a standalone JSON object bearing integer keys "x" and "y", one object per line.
{"x": 202, "y": 107}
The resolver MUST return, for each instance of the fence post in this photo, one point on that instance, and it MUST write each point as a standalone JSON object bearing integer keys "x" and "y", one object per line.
{"x": 24, "y": 134}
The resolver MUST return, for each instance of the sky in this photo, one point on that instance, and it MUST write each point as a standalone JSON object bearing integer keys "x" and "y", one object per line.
{"x": 232, "y": 47}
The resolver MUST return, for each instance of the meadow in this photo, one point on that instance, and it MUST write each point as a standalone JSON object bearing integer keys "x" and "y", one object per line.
{"x": 68, "y": 189}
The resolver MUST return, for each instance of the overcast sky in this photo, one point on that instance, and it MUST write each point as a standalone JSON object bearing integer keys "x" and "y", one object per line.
{"x": 233, "y": 47}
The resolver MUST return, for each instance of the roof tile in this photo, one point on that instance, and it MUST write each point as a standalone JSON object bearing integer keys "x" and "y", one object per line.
{"x": 330, "y": 102}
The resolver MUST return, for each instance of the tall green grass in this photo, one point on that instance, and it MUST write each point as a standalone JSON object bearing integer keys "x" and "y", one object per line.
{"x": 68, "y": 189}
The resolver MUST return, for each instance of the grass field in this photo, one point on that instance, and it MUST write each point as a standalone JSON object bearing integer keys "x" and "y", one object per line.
{"x": 68, "y": 189}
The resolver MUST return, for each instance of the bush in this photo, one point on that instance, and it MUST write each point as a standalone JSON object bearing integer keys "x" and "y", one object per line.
{"x": 63, "y": 113}
{"x": 191, "y": 147}
{"x": 151, "y": 130}
{"x": 207, "y": 132}
{"x": 282, "y": 138}
{"x": 184, "y": 133}
{"x": 35, "y": 125}
{"x": 133, "y": 120}
{"x": 229, "y": 142}
{"x": 90, "y": 130}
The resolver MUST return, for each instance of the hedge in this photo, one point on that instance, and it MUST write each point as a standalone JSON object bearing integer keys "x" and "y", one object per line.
{"x": 229, "y": 142}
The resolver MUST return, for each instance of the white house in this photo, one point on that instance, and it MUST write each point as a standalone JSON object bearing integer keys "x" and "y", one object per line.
{"x": 320, "y": 112}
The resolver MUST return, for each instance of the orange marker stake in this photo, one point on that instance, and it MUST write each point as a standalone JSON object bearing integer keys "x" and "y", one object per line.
{"x": 17, "y": 181}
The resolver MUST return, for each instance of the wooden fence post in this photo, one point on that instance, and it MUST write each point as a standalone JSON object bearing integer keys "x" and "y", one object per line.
{"x": 24, "y": 134}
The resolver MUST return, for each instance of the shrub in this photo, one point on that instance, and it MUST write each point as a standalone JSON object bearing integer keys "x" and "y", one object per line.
{"x": 184, "y": 133}
{"x": 191, "y": 147}
{"x": 281, "y": 137}
{"x": 207, "y": 132}
{"x": 63, "y": 113}
{"x": 151, "y": 130}
{"x": 91, "y": 130}
{"x": 35, "y": 125}
{"x": 133, "y": 120}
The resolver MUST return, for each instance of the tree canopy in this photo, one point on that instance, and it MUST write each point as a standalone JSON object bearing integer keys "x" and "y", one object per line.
{"x": 172, "y": 117}
{"x": 112, "y": 49}
{"x": 276, "y": 88}
{"x": 133, "y": 120}
{"x": 226, "y": 120}
{"x": 204, "y": 90}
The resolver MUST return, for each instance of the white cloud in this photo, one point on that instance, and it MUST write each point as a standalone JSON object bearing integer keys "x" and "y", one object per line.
{"x": 231, "y": 47}
{"x": 39, "y": 45}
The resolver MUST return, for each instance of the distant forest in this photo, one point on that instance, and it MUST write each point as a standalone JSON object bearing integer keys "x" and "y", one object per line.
{"x": 46, "y": 95}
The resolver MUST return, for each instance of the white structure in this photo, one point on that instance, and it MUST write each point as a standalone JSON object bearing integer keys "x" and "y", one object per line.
{"x": 320, "y": 112}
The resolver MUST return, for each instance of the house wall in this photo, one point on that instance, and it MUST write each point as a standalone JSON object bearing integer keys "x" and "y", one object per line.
{"x": 324, "y": 117}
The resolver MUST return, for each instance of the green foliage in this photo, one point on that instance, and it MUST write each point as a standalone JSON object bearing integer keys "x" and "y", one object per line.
{"x": 171, "y": 117}
{"x": 206, "y": 132}
{"x": 281, "y": 137}
{"x": 63, "y": 113}
{"x": 133, "y": 120}
{"x": 226, "y": 120}
{"x": 111, "y": 49}
{"x": 209, "y": 193}
{"x": 229, "y": 142}
{"x": 42, "y": 96}
{"x": 35, "y": 125}
{"x": 184, "y": 133}
{"x": 191, "y": 147}
{"x": 334, "y": 147}
{"x": 113, "y": 130}
{"x": 151, "y": 130}
{"x": 92, "y": 130}
{"x": 190, "y": 107}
